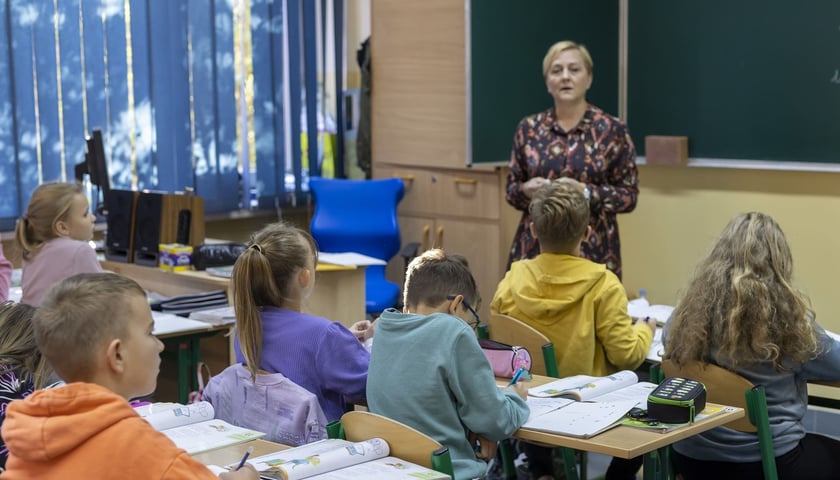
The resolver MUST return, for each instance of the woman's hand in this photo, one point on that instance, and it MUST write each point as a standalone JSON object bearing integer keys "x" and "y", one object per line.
{"x": 530, "y": 187}
{"x": 580, "y": 185}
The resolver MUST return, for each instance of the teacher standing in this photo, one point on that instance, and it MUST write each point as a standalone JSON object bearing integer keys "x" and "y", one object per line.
{"x": 576, "y": 142}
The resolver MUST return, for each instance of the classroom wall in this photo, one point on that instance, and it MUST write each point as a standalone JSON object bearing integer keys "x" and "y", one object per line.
{"x": 681, "y": 210}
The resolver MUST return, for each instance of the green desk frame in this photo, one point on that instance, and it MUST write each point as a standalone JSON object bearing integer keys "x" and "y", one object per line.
{"x": 188, "y": 356}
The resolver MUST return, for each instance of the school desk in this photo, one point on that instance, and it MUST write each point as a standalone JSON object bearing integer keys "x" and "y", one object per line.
{"x": 627, "y": 442}
{"x": 186, "y": 335}
{"x": 339, "y": 292}
{"x": 233, "y": 453}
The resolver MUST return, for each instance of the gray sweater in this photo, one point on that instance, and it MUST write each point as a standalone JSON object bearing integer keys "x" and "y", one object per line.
{"x": 787, "y": 401}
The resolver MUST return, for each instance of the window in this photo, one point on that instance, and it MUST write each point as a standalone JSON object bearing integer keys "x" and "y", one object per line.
{"x": 189, "y": 94}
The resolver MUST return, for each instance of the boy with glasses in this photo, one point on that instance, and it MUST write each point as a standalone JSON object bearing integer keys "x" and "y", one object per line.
{"x": 428, "y": 371}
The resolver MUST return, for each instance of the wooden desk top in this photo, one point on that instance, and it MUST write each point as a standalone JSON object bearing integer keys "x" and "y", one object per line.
{"x": 233, "y": 453}
{"x": 623, "y": 441}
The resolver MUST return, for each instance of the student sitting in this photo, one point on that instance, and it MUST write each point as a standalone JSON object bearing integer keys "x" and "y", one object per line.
{"x": 428, "y": 371}
{"x": 53, "y": 235}
{"x": 96, "y": 332}
{"x": 579, "y": 305}
{"x": 22, "y": 367}
{"x": 741, "y": 312}
{"x": 271, "y": 280}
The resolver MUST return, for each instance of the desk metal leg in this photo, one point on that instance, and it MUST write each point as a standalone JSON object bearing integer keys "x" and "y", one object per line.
{"x": 657, "y": 464}
{"x": 184, "y": 383}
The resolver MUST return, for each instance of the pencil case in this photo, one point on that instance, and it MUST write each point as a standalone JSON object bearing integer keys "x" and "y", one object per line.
{"x": 505, "y": 359}
{"x": 216, "y": 254}
{"x": 677, "y": 400}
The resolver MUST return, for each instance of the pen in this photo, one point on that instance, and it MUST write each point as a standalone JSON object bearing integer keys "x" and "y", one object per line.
{"x": 245, "y": 457}
{"x": 516, "y": 376}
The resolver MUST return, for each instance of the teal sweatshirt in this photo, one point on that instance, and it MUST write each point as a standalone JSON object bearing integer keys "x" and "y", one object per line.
{"x": 430, "y": 373}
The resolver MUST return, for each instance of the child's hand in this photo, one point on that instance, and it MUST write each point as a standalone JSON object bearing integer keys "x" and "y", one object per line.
{"x": 484, "y": 449}
{"x": 521, "y": 389}
{"x": 363, "y": 330}
{"x": 247, "y": 472}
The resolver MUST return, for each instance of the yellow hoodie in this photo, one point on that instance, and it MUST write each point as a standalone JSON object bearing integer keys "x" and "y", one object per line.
{"x": 581, "y": 307}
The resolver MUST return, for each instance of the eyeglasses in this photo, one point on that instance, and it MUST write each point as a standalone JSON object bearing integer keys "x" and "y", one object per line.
{"x": 473, "y": 325}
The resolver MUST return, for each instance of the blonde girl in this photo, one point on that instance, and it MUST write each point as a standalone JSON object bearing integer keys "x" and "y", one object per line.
{"x": 53, "y": 237}
{"x": 271, "y": 282}
{"x": 740, "y": 311}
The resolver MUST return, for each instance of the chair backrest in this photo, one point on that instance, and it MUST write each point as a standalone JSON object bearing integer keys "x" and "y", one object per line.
{"x": 286, "y": 412}
{"x": 360, "y": 216}
{"x": 405, "y": 442}
{"x": 722, "y": 386}
{"x": 729, "y": 388}
{"x": 357, "y": 215}
{"x": 506, "y": 329}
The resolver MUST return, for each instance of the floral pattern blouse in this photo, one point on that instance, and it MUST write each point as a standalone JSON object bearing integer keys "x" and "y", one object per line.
{"x": 599, "y": 152}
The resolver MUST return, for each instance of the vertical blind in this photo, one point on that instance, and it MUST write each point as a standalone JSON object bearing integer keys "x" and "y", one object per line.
{"x": 201, "y": 94}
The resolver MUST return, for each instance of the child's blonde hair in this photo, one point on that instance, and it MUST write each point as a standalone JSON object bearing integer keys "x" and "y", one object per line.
{"x": 262, "y": 276}
{"x": 18, "y": 350}
{"x": 740, "y": 305}
{"x": 50, "y": 203}
{"x": 560, "y": 214}
{"x": 77, "y": 316}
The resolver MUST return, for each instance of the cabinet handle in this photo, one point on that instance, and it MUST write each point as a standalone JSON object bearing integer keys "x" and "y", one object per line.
{"x": 426, "y": 230}
{"x": 404, "y": 178}
{"x": 464, "y": 181}
{"x": 439, "y": 239}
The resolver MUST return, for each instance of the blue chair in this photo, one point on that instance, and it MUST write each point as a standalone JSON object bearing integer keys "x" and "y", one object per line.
{"x": 360, "y": 216}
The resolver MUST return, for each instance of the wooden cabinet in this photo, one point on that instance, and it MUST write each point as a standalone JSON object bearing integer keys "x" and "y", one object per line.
{"x": 461, "y": 211}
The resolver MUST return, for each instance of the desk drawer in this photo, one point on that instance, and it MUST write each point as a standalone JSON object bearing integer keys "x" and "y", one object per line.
{"x": 462, "y": 193}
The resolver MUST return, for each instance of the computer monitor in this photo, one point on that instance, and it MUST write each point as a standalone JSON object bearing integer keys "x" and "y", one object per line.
{"x": 96, "y": 166}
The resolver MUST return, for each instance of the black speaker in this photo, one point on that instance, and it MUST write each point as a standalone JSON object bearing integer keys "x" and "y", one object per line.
{"x": 119, "y": 238}
{"x": 147, "y": 228}
{"x": 166, "y": 218}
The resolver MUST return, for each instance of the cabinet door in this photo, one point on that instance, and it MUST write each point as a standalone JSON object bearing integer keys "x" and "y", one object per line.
{"x": 479, "y": 243}
{"x": 412, "y": 229}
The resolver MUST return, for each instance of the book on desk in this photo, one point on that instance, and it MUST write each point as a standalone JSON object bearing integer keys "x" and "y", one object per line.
{"x": 339, "y": 459}
{"x": 584, "y": 406}
{"x": 193, "y": 427}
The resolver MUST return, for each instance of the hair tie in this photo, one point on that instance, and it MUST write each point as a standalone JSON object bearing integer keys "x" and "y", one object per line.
{"x": 257, "y": 247}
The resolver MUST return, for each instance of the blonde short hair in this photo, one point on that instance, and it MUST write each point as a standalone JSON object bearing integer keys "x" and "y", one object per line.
{"x": 560, "y": 213}
{"x": 561, "y": 47}
{"x": 77, "y": 316}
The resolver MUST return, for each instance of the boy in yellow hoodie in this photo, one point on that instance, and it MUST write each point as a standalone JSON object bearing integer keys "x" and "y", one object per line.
{"x": 95, "y": 329}
{"x": 578, "y": 304}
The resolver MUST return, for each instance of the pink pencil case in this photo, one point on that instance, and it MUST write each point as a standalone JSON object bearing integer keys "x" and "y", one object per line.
{"x": 505, "y": 359}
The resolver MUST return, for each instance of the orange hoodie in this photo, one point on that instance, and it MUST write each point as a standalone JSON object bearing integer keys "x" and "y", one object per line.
{"x": 84, "y": 430}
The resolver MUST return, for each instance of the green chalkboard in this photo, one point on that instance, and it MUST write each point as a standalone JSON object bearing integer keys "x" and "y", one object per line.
{"x": 744, "y": 79}
{"x": 508, "y": 39}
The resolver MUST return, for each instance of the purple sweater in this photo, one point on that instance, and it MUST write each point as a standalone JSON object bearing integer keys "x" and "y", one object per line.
{"x": 319, "y": 355}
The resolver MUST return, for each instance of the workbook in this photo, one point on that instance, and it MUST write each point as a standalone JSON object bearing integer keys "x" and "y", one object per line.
{"x": 193, "y": 428}
{"x": 340, "y": 459}
{"x": 584, "y": 406}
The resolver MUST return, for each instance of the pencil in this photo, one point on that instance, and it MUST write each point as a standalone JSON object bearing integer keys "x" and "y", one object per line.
{"x": 245, "y": 457}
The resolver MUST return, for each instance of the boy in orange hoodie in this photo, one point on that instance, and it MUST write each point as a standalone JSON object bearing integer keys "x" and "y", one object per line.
{"x": 95, "y": 330}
